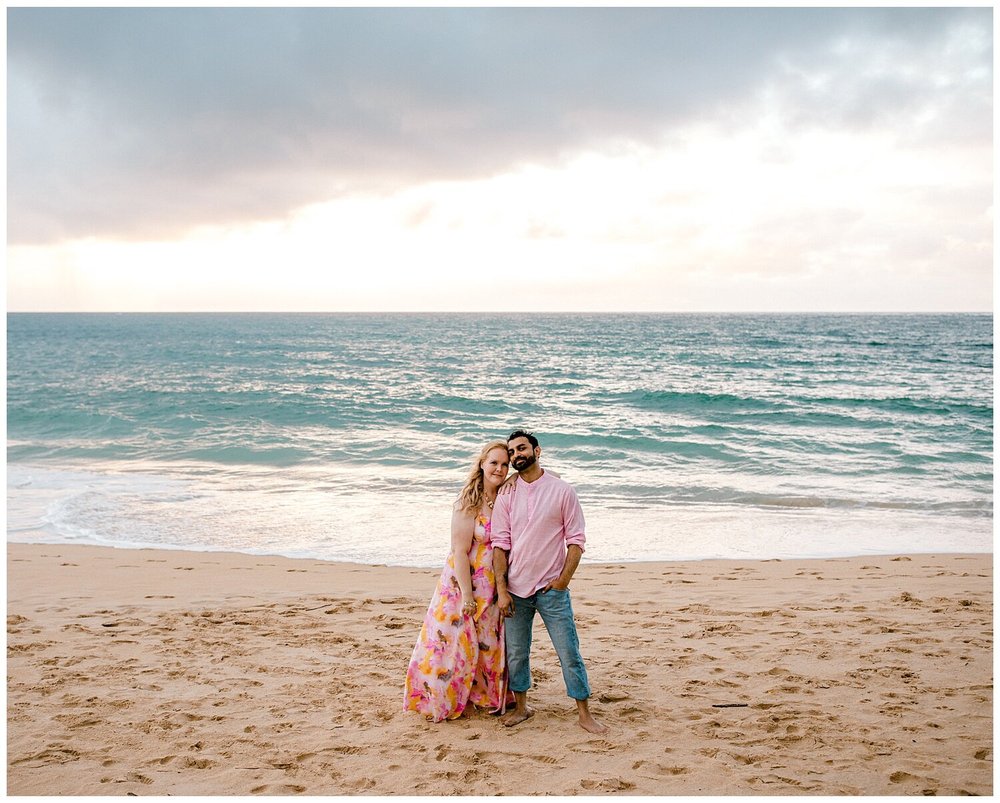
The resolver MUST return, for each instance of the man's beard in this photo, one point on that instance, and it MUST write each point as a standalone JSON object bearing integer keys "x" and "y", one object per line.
{"x": 521, "y": 463}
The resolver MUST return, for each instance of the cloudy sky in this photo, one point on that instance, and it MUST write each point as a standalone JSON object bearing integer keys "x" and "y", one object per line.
{"x": 500, "y": 159}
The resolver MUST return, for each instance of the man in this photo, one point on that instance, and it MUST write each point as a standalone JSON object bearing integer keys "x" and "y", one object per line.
{"x": 538, "y": 536}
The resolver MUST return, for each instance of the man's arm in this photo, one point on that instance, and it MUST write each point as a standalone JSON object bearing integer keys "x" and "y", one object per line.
{"x": 574, "y": 533}
{"x": 504, "y": 601}
{"x": 501, "y": 538}
{"x": 573, "y": 555}
{"x": 574, "y": 525}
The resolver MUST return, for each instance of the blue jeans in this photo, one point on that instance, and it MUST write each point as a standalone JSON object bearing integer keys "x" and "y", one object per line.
{"x": 557, "y": 614}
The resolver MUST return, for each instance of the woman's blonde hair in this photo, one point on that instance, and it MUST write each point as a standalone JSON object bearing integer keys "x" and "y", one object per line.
{"x": 470, "y": 499}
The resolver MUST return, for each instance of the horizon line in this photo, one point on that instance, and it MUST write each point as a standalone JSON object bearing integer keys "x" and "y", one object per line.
{"x": 495, "y": 312}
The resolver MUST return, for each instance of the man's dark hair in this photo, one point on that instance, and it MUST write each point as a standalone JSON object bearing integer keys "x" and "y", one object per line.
{"x": 520, "y": 433}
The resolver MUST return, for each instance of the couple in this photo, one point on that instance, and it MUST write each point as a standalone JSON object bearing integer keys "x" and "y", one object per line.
{"x": 513, "y": 551}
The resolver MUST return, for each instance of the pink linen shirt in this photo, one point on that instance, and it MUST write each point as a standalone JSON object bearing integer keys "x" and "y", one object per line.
{"x": 535, "y": 523}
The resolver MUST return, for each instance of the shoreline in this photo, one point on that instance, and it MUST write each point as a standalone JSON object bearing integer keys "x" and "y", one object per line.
{"x": 206, "y": 673}
{"x": 45, "y": 539}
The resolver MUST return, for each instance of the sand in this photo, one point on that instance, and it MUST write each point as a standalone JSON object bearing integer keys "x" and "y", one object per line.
{"x": 164, "y": 673}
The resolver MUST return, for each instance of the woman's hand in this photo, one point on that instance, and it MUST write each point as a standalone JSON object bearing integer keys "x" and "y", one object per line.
{"x": 468, "y": 605}
{"x": 508, "y": 485}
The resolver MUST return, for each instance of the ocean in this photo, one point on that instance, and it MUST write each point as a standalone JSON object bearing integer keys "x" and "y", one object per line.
{"x": 347, "y": 436}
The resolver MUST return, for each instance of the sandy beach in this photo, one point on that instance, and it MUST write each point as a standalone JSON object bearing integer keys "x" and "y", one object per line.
{"x": 166, "y": 672}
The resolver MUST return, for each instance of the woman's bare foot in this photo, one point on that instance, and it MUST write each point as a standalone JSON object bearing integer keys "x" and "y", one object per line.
{"x": 517, "y": 716}
{"x": 587, "y": 721}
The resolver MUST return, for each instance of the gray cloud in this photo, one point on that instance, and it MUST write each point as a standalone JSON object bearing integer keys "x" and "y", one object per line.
{"x": 925, "y": 91}
{"x": 141, "y": 122}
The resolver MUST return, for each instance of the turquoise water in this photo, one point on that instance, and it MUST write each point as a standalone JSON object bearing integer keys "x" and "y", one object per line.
{"x": 345, "y": 436}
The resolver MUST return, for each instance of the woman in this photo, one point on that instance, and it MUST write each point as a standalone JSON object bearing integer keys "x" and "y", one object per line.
{"x": 459, "y": 656}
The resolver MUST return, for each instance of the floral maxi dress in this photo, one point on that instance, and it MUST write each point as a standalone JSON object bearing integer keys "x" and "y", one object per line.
{"x": 459, "y": 659}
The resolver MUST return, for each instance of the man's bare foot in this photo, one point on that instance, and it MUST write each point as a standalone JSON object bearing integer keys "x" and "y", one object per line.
{"x": 587, "y": 721}
{"x": 517, "y": 716}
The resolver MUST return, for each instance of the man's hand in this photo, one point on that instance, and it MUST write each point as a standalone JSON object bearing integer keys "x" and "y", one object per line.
{"x": 561, "y": 583}
{"x": 505, "y": 604}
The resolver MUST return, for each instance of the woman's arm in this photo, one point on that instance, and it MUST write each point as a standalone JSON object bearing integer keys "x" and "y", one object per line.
{"x": 463, "y": 526}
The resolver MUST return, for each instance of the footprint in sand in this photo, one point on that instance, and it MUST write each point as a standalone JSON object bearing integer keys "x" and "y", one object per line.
{"x": 52, "y": 756}
{"x": 607, "y": 785}
{"x": 593, "y": 746}
{"x": 33, "y": 646}
{"x": 85, "y": 723}
{"x": 285, "y": 789}
{"x": 544, "y": 759}
{"x": 160, "y": 761}
{"x": 198, "y": 763}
